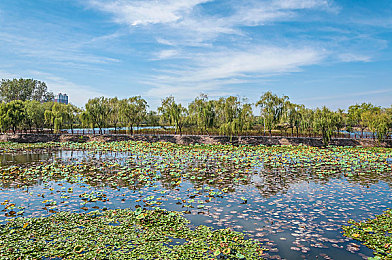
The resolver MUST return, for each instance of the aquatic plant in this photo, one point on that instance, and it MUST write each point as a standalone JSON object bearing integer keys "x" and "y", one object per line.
{"x": 120, "y": 234}
{"x": 375, "y": 233}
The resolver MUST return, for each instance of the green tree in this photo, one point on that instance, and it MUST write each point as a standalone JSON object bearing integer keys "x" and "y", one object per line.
{"x": 24, "y": 89}
{"x": 358, "y": 114}
{"x": 35, "y": 114}
{"x": 133, "y": 111}
{"x": 272, "y": 109}
{"x": 234, "y": 116}
{"x": 98, "y": 110}
{"x": 378, "y": 122}
{"x": 340, "y": 120}
{"x": 115, "y": 112}
{"x": 325, "y": 123}
{"x": 381, "y": 126}
{"x": 306, "y": 120}
{"x": 202, "y": 112}
{"x": 294, "y": 116}
{"x": 85, "y": 119}
{"x": 57, "y": 117}
{"x": 152, "y": 118}
{"x": 12, "y": 115}
{"x": 175, "y": 113}
{"x": 71, "y": 116}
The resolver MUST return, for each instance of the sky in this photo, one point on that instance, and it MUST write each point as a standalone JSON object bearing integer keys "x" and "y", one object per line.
{"x": 318, "y": 52}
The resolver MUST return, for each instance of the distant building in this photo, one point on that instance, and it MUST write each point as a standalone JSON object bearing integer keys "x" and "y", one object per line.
{"x": 61, "y": 98}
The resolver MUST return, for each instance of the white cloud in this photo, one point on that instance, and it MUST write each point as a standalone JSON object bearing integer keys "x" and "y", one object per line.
{"x": 351, "y": 57}
{"x": 260, "y": 60}
{"x": 165, "y": 42}
{"x": 166, "y": 54}
{"x": 147, "y": 12}
{"x": 190, "y": 27}
{"x": 227, "y": 67}
{"x": 301, "y": 4}
{"x": 53, "y": 51}
{"x": 260, "y": 12}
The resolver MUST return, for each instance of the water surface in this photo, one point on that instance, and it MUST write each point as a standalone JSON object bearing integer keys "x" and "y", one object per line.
{"x": 297, "y": 213}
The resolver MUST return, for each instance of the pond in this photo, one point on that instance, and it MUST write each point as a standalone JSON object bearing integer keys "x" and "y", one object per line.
{"x": 293, "y": 199}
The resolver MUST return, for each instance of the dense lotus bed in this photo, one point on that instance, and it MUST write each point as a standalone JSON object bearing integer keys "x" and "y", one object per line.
{"x": 120, "y": 234}
{"x": 376, "y": 233}
{"x": 293, "y": 200}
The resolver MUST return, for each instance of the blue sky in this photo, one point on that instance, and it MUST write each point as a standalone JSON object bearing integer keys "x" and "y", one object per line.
{"x": 318, "y": 52}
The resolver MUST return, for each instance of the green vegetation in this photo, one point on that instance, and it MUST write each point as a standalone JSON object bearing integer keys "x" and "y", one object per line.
{"x": 120, "y": 234}
{"x": 173, "y": 113}
{"x": 24, "y": 89}
{"x": 374, "y": 233}
{"x": 33, "y": 111}
{"x": 10, "y": 147}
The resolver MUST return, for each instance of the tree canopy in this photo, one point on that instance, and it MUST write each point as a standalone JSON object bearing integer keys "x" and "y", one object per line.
{"x": 24, "y": 89}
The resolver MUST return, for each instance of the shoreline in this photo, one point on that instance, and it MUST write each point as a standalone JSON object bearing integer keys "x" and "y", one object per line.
{"x": 193, "y": 139}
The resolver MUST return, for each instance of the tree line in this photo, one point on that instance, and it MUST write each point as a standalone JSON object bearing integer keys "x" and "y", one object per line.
{"x": 27, "y": 105}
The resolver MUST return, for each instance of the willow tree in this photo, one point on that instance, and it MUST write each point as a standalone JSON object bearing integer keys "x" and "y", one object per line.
{"x": 71, "y": 116}
{"x": 35, "y": 114}
{"x": 382, "y": 124}
{"x": 56, "y": 117}
{"x": 133, "y": 111}
{"x": 174, "y": 113}
{"x": 115, "y": 112}
{"x": 306, "y": 119}
{"x": 202, "y": 112}
{"x": 325, "y": 122}
{"x": 98, "y": 110}
{"x": 12, "y": 115}
{"x": 378, "y": 123}
{"x": 294, "y": 116}
{"x": 340, "y": 120}
{"x": 368, "y": 119}
{"x": 358, "y": 115}
{"x": 152, "y": 118}
{"x": 234, "y": 115}
{"x": 85, "y": 119}
{"x": 272, "y": 109}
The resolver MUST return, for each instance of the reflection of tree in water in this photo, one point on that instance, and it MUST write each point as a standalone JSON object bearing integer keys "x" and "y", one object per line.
{"x": 26, "y": 158}
{"x": 207, "y": 172}
{"x": 271, "y": 181}
{"x": 135, "y": 171}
